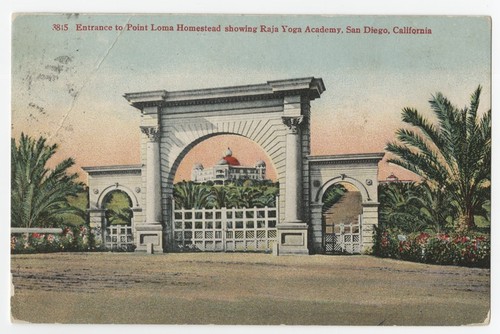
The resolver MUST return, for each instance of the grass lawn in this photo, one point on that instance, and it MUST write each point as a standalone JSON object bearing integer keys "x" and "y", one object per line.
{"x": 226, "y": 288}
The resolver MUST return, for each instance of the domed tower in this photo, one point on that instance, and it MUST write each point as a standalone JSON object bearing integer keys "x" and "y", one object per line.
{"x": 222, "y": 162}
{"x": 228, "y": 156}
{"x": 260, "y": 167}
{"x": 195, "y": 172}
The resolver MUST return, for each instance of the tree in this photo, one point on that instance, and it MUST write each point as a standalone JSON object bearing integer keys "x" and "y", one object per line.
{"x": 189, "y": 195}
{"x": 332, "y": 195}
{"x": 118, "y": 208}
{"x": 414, "y": 207}
{"x": 243, "y": 197}
{"x": 453, "y": 156}
{"x": 267, "y": 195}
{"x": 39, "y": 195}
{"x": 219, "y": 196}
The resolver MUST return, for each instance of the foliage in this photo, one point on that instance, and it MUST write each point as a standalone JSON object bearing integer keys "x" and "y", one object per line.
{"x": 332, "y": 195}
{"x": 78, "y": 216}
{"x": 189, "y": 195}
{"x": 72, "y": 239}
{"x": 117, "y": 205}
{"x": 39, "y": 195}
{"x": 414, "y": 207}
{"x": 453, "y": 157}
{"x": 471, "y": 249}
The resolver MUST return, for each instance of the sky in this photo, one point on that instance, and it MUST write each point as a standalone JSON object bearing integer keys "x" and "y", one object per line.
{"x": 68, "y": 85}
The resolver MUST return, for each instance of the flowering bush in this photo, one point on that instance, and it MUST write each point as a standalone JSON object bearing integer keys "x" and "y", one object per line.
{"x": 74, "y": 238}
{"x": 471, "y": 250}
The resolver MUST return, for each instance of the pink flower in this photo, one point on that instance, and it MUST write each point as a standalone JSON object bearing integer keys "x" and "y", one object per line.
{"x": 67, "y": 230}
{"x": 13, "y": 241}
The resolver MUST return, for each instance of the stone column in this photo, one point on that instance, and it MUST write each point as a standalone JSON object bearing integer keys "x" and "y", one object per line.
{"x": 368, "y": 224}
{"x": 151, "y": 231}
{"x": 293, "y": 181}
{"x": 97, "y": 227}
{"x": 153, "y": 180}
{"x": 292, "y": 232}
{"x": 317, "y": 227}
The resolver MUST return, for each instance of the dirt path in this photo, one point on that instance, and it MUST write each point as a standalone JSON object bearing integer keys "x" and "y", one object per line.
{"x": 244, "y": 289}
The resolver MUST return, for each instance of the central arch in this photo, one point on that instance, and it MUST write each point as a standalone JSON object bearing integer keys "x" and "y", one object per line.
{"x": 275, "y": 115}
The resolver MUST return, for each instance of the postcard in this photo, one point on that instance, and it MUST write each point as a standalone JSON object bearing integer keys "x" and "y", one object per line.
{"x": 251, "y": 169}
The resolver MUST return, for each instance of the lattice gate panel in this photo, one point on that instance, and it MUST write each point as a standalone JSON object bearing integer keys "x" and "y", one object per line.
{"x": 233, "y": 230}
{"x": 119, "y": 237}
{"x": 343, "y": 238}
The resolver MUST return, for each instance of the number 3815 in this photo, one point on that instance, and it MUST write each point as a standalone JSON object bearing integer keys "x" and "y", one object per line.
{"x": 60, "y": 27}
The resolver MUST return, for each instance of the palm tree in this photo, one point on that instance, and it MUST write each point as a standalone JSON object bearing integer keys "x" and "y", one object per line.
{"x": 219, "y": 196}
{"x": 397, "y": 206}
{"x": 332, "y": 195}
{"x": 434, "y": 207}
{"x": 39, "y": 195}
{"x": 454, "y": 156}
{"x": 118, "y": 208}
{"x": 413, "y": 207}
{"x": 267, "y": 196}
{"x": 189, "y": 195}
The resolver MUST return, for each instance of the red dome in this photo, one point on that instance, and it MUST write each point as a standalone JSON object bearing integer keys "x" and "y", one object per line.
{"x": 232, "y": 161}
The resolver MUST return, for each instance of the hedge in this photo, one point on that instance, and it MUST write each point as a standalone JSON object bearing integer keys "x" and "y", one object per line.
{"x": 72, "y": 238}
{"x": 472, "y": 249}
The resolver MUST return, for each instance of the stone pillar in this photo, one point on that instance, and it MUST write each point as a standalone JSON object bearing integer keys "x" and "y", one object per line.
{"x": 97, "y": 227}
{"x": 317, "y": 227}
{"x": 293, "y": 181}
{"x": 368, "y": 224}
{"x": 292, "y": 232}
{"x": 153, "y": 181}
{"x": 151, "y": 231}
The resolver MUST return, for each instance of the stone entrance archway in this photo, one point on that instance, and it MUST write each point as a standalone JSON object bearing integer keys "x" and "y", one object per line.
{"x": 360, "y": 170}
{"x": 103, "y": 181}
{"x": 275, "y": 115}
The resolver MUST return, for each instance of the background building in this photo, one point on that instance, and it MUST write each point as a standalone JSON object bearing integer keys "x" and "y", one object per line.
{"x": 228, "y": 169}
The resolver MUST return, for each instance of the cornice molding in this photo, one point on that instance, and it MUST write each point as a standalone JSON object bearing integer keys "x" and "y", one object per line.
{"x": 309, "y": 87}
{"x": 345, "y": 158}
{"x": 115, "y": 169}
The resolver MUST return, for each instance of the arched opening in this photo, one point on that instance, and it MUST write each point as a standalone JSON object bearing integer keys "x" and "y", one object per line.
{"x": 342, "y": 219}
{"x": 118, "y": 220}
{"x": 211, "y": 150}
{"x": 225, "y": 197}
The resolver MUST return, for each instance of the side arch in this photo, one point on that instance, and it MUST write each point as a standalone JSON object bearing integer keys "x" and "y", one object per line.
{"x": 365, "y": 195}
{"x": 119, "y": 187}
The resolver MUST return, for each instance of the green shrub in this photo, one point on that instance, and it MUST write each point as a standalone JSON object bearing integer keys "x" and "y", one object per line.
{"x": 472, "y": 249}
{"x": 72, "y": 239}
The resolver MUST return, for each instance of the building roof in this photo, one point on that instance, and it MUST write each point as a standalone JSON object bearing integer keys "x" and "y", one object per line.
{"x": 232, "y": 161}
{"x": 229, "y": 159}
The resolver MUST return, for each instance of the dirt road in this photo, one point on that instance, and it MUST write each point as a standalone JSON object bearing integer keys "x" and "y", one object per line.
{"x": 208, "y": 288}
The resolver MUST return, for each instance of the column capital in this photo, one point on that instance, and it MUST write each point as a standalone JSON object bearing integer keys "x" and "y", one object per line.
{"x": 153, "y": 133}
{"x": 293, "y": 123}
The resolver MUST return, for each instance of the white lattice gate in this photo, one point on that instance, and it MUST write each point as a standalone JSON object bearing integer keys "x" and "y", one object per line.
{"x": 119, "y": 237}
{"x": 343, "y": 237}
{"x": 225, "y": 229}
